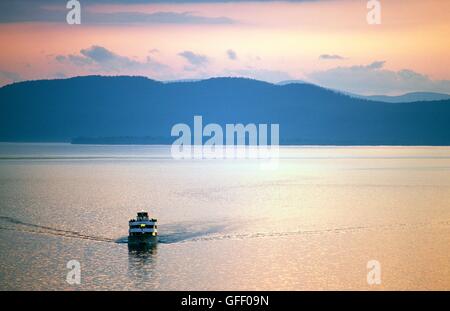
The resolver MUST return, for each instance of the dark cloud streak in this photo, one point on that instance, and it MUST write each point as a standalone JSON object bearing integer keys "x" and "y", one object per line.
{"x": 55, "y": 12}
{"x": 193, "y": 58}
{"x": 231, "y": 54}
{"x": 331, "y": 57}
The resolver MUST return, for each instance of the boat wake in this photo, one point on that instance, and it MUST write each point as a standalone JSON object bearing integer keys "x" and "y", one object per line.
{"x": 181, "y": 232}
{"x": 350, "y": 229}
{"x": 173, "y": 233}
{"x": 18, "y": 225}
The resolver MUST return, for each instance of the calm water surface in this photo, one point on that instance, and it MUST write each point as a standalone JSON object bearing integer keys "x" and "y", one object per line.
{"x": 312, "y": 222}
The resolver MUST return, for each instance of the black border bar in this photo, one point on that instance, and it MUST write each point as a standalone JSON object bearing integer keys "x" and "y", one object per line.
{"x": 276, "y": 299}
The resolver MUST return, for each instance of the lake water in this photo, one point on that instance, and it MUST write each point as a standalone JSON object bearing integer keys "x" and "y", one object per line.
{"x": 312, "y": 222}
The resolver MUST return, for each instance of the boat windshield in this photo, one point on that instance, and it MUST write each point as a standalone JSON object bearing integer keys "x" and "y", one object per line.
{"x": 142, "y": 216}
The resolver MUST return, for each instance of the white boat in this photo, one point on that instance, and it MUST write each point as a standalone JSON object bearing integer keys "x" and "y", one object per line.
{"x": 142, "y": 230}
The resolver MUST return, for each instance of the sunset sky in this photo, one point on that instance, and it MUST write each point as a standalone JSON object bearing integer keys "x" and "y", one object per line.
{"x": 326, "y": 42}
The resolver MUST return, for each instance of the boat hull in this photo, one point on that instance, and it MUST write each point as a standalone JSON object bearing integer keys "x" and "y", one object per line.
{"x": 136, "y": 239}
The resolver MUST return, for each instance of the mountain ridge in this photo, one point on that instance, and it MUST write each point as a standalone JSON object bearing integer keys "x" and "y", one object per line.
{"x": 127, "y": 106}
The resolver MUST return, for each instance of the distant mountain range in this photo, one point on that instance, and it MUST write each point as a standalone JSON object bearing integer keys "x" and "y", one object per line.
{"x": 405, "y": 98}
{"x": 409, "y": 97}
{"x": 123, "y": 109}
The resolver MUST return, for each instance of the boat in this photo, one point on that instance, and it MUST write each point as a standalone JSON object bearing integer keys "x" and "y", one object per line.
{"x": 142, "y": 230}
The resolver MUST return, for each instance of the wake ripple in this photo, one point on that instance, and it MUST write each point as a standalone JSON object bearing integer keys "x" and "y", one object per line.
{"x": 396, "y": 226}
{"x": 22, "y": 226}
